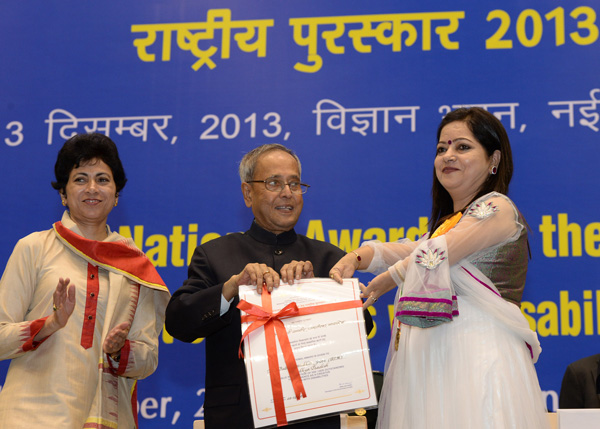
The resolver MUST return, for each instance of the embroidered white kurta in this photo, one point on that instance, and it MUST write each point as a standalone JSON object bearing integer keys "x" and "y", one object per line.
{"x": 475, "y": 369}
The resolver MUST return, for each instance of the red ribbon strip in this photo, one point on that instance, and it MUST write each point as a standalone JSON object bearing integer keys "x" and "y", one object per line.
{"x": 264, "y": 316}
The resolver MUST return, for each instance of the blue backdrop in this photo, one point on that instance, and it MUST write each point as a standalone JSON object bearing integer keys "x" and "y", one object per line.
{"x": 356, "y": 88}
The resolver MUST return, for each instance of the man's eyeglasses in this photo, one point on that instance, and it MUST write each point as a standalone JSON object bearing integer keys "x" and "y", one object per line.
{"x": 277, "y": 185}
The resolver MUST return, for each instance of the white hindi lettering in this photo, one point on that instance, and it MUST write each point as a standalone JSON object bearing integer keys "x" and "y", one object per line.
{"x": 588, "y": 110}
{"x": 499, "y": 110}
{"x": 364, "y": 119}
{"x": 95, "y": 129}
{"x": 412, "y": 116}
{"x": 70, "y": 122}
{"x": 137, "y": 126}
{"x": 136, "y": 129}
{"x": 337, "y": 113}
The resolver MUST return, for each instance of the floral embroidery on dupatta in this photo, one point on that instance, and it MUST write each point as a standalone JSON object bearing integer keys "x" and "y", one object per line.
{"x": 430, "y": 259}
{"x": 482, "y": 210}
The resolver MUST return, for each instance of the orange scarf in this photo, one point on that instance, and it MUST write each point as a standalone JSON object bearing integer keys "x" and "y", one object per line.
{"x": 115, "y": 256}
{"x": 447, "y": 225}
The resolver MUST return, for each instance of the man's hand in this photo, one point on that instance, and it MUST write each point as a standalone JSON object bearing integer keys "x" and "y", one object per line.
{"x": 297, "y": 270}
{"x": 252, "y": 274}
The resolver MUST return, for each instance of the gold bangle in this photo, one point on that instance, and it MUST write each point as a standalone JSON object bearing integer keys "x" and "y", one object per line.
{"x": 358, "y": 258}
{"x": 399, "y": 274}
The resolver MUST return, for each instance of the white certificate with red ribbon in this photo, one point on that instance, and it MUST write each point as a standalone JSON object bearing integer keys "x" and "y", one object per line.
{"x": 306, "y": 351}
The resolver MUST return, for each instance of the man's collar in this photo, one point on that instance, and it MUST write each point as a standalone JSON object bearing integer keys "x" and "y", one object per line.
{"x": 263, "y": 236}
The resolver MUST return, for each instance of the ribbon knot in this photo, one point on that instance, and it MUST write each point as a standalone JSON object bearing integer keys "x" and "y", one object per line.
{"x": 259, "y": 317}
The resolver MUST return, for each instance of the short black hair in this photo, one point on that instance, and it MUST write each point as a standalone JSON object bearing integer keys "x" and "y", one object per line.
{"x": 82, "y": 148}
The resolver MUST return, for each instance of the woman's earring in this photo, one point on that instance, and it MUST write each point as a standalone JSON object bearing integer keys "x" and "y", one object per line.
{"x": 64, "y": 202}
{"x": 494, "y": 169}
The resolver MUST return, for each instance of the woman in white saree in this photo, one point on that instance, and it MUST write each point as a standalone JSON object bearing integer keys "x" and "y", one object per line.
{"x": 462, "y": 355}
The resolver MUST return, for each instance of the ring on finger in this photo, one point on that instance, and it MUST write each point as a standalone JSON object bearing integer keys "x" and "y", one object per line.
{"x": 266, "y": 272}
{"x": 54, "y": 307}
{"x": 373, "y": 298}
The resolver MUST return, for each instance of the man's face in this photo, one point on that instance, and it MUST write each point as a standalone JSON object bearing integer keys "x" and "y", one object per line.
{"x": 276, "y": 212}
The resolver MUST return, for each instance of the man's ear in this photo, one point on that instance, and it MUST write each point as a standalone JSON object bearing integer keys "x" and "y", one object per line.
{"x": 247, "y": 193}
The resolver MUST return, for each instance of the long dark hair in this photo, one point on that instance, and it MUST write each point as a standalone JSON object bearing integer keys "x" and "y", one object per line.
{"x": 490, "y": 133}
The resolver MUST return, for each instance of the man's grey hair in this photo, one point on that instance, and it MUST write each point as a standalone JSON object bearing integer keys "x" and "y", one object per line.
{"x": 248, "y": 162}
